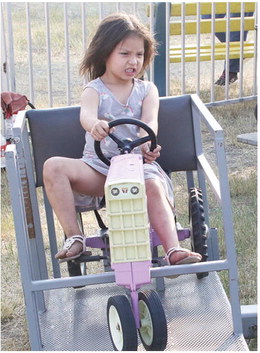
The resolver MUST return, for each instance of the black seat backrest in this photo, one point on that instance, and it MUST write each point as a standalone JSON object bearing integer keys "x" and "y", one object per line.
{"x": 57, "y": 132}
{"x": 176, "y": 134}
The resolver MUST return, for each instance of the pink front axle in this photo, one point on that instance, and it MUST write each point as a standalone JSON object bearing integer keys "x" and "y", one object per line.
{"x": 133, "y": 275}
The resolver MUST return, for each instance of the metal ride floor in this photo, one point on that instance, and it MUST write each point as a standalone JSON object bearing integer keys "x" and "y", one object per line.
{"x": 197, "y": 311}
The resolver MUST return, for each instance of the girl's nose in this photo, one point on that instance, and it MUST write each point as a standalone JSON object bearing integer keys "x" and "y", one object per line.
{"x": 133, "y": 60}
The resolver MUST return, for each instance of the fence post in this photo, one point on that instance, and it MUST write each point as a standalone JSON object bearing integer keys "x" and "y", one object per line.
{"x": 160, "y": 59}
{"x": 10, "y": 52}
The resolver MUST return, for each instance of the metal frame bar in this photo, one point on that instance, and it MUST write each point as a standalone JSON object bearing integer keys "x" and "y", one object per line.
{"x": 249, "y": 320}
{"x": 52, "y": 236}
{"x": 21, "y": 138}
{"x": 222, "y": 192}
{"x": 24, "y": 254}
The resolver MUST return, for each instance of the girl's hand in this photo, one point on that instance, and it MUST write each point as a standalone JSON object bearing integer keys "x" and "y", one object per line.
{"x": 99, "y": 130}
{"x": 149, "y": 156}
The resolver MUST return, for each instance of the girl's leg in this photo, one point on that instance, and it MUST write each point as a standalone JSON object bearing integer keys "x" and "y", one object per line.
{"x": 61, "y": 176}
{"x": 162, "y": 220}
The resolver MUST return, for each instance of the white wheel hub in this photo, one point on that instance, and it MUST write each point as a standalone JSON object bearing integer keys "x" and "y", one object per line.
{"x": 146, "y": 329}
{"x": 115, "y": 328}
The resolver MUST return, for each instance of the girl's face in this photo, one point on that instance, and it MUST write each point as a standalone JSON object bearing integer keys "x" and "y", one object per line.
{"x": 126, "y": 60}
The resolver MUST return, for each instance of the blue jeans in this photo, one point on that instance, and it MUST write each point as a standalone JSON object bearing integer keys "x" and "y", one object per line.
{"x": 234, "y": 37}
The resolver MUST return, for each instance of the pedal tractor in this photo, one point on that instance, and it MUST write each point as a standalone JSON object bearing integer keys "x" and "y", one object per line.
{"x": 130, "y": 247}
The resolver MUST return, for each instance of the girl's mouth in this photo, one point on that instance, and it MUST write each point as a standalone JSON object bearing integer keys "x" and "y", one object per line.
{"x": 130, "y": 71}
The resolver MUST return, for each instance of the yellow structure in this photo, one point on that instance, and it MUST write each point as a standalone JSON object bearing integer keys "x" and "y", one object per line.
{"x": 127, "y": 210}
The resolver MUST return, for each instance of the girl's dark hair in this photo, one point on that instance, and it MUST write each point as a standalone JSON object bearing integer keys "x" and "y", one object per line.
{"x": 111, "y": 31}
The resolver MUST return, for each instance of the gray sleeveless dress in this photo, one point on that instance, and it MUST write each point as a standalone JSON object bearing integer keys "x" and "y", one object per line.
{"x": 110, "y": 109}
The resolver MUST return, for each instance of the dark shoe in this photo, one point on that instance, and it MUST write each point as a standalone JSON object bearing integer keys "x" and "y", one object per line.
{"x": 222, "y": 80}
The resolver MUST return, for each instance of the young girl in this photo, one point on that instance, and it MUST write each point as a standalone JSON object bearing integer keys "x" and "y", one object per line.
{"x": 120, "y": 51}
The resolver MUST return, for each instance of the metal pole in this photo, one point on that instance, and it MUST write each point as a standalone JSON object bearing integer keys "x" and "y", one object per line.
{"x": 183, "y": 10}
{"x": 241, "y": 61}
{"x": 255, "y": 57}
{"x": 198, "y": 49}
{"x": 227, "y": 51}
{"x": 4, "y": 71}
{"x": 160, "y": 59}
{"x": 213, "y": 25}
{"x": 151, "y": 69}
{"x": 10, "y": 54}
{"x": 66, "y": 32}
{"x": 84, "y": 33}
{"x": 47, "y": 25}
{"x": 101, "y": 10}
{"x": 167, "y": 47}
{"x": 29, "y": 39}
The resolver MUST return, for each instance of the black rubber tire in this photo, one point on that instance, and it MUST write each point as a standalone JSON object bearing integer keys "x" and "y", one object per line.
{"x": 154, "y": 334}
{"x": 74, "y": 268}
{"x": 198, "y": 226}
{"x": 121, "y": 324}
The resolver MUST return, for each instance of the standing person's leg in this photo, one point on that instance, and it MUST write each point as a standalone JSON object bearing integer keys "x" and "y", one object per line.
{"x": 62, "y": 176}
{"x": 162, "y": 220}
{"x": 222, "y": 38}
{"x": 234, "y": 64}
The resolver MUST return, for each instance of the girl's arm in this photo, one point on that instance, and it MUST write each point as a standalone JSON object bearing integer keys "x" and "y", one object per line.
{"x": 89, "y": 115}
{"x": 150, "y": 110}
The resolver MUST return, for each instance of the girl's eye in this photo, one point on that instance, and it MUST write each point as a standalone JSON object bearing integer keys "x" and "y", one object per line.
{"x": 140, "y": 54}
{"x": 123, "y": 53}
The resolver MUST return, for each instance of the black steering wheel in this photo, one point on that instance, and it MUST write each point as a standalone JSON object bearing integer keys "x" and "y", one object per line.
{"x": 126, "y": 145}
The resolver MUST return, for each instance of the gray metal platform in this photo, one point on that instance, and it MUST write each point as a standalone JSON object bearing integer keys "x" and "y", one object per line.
{"x": 249, "y": 138}
{"x": 198, "y": 315}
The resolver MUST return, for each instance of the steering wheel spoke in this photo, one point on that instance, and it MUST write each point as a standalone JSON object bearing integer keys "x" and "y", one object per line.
{"x": 140, "y": 141}
{"x": 119, "y": 143}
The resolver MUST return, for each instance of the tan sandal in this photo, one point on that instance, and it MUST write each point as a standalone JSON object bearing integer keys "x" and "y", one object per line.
{"x": 68, "y": 244}
{"x": 186, "y": 260}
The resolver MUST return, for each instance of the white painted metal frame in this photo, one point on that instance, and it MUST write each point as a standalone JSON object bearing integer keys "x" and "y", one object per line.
{"x": 7, "y": 13}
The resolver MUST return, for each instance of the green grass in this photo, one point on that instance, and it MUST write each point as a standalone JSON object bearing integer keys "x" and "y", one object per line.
{"x": 234, "y": 119}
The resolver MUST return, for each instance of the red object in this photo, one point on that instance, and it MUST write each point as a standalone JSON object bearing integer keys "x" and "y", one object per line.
{"x": 11, "y": 103}
{"x": 3, "y": 148}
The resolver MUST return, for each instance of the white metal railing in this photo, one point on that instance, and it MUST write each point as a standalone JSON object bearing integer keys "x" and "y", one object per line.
{"x": 36, "y": 71}
{"x": 183, "y": 77}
